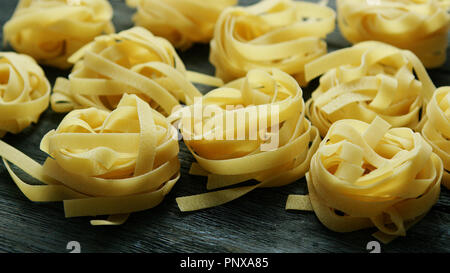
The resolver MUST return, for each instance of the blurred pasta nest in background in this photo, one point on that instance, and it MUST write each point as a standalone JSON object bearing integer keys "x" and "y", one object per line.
{"x": 24, "y": 92}
{"x": 418, "y": 25}
{"x": 182, "y": 22}
{"x": 52, "y": 30}
{"x": 133, "y": 61}
{"x": 367, "y": 80}
{"x": 281, "y": 34}
{"x": 436, "y": 129}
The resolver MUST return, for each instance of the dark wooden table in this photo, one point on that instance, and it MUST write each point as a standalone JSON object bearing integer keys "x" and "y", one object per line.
{"x": 256, "y": 222}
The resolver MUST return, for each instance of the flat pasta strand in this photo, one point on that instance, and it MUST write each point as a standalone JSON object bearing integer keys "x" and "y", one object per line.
{"x": 417, "y": 25}
{"x": 253, "y": 128}
{"x": 281, "y": 34}
{"x": 182, "y": 22}
{"x": 132, "y": 61}
{"x": 103, "y": 163}
{"x": 52, "y": 30}
{"x": 367, "y": 80}
{"x": 24, "y": 92}
{"x": 445, "y": 4}
{"x": 366, "y": 175}
{"x": 436, "y": 129}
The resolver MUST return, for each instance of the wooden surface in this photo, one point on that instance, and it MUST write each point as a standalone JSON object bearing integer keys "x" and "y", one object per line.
{"x": 256, "y": 222}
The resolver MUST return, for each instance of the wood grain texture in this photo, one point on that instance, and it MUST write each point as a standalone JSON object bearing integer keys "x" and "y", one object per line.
{"x": 256, "y": 222}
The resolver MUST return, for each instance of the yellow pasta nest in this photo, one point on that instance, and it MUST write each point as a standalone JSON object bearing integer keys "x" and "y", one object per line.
{"x": 367, "y": 80}
{"x": 367, "y": 175}
{"x": 52, "y": 30}
{"x": 281, "y": 34}
{"x": 253, "y": 128}
{"x": 132, "y": 61}
{"x": 182, "y": 22}
{"x": 24, "y": 92}
{"x": 436, "y": 128}
{"x": 104, "y": 163}
{"x": 418, "y": 25}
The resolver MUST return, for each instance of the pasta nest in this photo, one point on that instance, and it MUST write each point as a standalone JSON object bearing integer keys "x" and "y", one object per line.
{"x": 281, "y": 34}
{"x": 367, "y": 80}
{"x": 445, "y": 4}
{"x": 132, "y": 61}
{"x": 367, "y": 175}
{"x": 52, "y": 30}
{"x": 253, "y": 128}
{"x": 104, "y": 163}
{"x": 24, "y": 92}
{"x": 182, "y": 22}
{"x": 417, "y": 25}
{"x": 436, "y": 129}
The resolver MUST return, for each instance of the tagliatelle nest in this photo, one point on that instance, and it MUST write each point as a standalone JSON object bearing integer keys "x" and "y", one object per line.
{"x": 103, "y": 163}
{"x": 24, "y": 92}
{"x": 253, "y": 128}
{"x": 436, "y": 129}
{"x": 367, "y": 80}
{"x": 132, "y": 61}
{"x": 182, "y": 22}
{"x": 281, "y": 34}
{"x": 366, "y": 175}
{"x": 418, "y": 25}
{"x": 52, "y": 30}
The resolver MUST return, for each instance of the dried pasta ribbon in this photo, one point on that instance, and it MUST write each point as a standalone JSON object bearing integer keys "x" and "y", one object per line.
{"x": 278, "y": 153}
{"x": 436, "y": 129}
{"x": 417, "y": 25}
{"x": 52, "y": 30}
{"x": 281, "y": 34}
{"x": 445, "y": 4}
{"x": 182, "y": 22}
{"x": 366, "y": 175}
{"x": 103, "y": 163}
{"x": 132, "y": 61}
{"x": 24, "y": 92}
{"x": 367, "y": 80}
